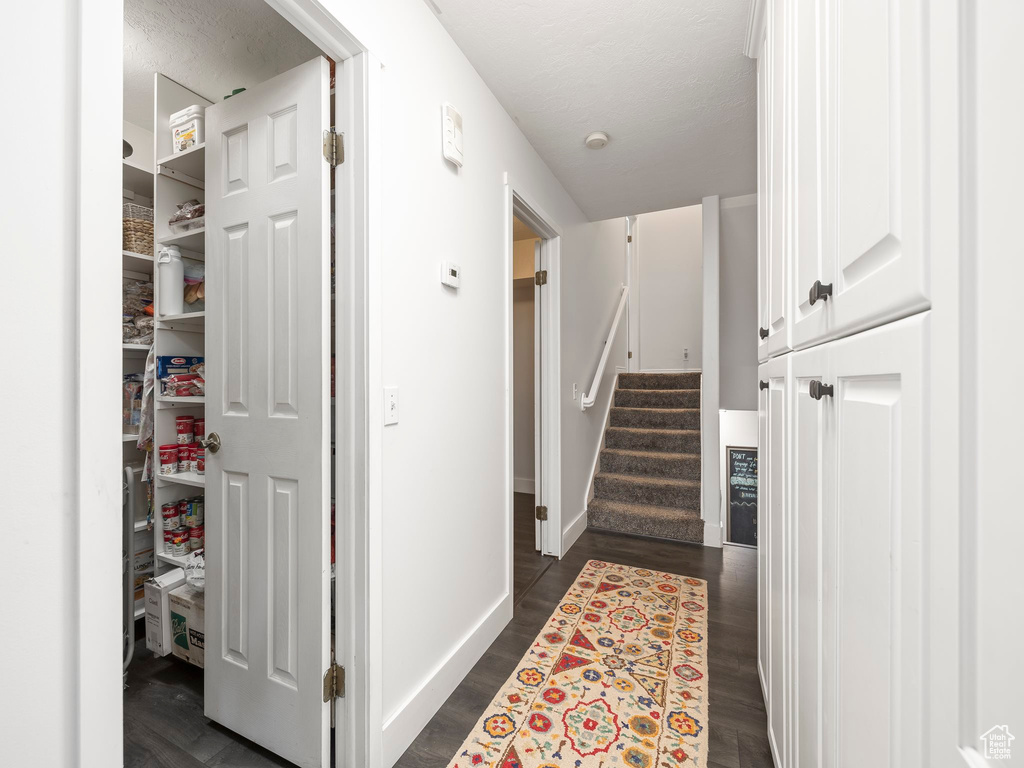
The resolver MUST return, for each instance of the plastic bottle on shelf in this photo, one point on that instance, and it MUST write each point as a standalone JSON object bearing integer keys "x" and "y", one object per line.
{"x": 172, "y": 280}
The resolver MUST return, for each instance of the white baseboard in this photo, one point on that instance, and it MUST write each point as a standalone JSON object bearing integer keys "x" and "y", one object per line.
{"x": 712, "y": 534}
{"x": 574, "y": 531}
{"x": 404, "y": 725}
{"x": 523, "y": 485}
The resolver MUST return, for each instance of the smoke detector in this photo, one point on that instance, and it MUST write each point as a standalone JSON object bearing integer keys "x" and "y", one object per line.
{"x": 596, "y": 140}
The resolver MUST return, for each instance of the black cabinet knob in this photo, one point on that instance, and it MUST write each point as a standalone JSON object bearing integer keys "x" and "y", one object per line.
{"x": 818, "y": 390}
{"x": 763, "y": 333}
{"x": 762, "y": 385}
{"x": 819, "y": 291}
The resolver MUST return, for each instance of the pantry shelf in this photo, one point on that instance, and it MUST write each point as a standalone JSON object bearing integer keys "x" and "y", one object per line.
{"x": 138, "y": 180}
{"x": 172, "y": 559}
{"x": 181, "y": 478}
{"x": 129, "y": 438}
{"x": 194, "y": 240}
{"x": 170, "y": 402}
{"x": 136, "y": 262}
{"x": 186, "y": 321}
{"x": 140, "y": 526}
{"x": 188, "y": 166}
{"x": 135, "y": 350}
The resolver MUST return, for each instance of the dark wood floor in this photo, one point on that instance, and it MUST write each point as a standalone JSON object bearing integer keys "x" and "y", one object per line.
{"x": 738, "y": 724}
{"x": 164, "y": 726}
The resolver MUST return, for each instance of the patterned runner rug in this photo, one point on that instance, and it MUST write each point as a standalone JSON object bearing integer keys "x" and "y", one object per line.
{"x": 617, "y": 677}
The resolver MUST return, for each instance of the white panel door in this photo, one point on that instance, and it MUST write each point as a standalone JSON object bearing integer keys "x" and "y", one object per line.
{"x": 872, "y": 551}
{"x": 777, "y": 40}
{"x": 268, "y": 493}
{"x": 764, "y": 458}
{"x": 811, "y": 445}
{"x": 873, "y": 177}
{"x": 776, "y": 515}
{"x": 538, "y": 393}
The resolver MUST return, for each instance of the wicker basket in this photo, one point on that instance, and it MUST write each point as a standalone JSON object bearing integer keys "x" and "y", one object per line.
{"x": 137, "y": 229}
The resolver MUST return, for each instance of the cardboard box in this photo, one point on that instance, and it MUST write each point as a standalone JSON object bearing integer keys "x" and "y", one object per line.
{"x": 188, "y": 624}
{"x": 158, "y": 616}
{"x": 172, "y": 365}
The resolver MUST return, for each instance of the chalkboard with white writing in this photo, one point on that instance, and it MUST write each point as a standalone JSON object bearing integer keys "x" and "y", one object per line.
{"x": 742, "y": 477}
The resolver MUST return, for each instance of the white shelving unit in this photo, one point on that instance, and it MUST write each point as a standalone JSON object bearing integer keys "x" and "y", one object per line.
{"x": 179, "y": 177}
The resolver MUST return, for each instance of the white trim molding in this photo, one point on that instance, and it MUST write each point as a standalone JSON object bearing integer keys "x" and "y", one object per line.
{"x": 755, "y": 29}
{"x": 709, "y": 455}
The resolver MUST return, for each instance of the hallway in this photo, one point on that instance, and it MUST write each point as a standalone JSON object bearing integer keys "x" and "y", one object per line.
{"x": 738, "y": 728}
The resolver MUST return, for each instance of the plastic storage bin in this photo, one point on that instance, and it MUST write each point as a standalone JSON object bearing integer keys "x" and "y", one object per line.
{"x": 187, "y": 128}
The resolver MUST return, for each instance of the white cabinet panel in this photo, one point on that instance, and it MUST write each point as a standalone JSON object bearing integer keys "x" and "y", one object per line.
{"x": 872, "y": 646}
{"x": 775, "y": 50}
{"x": 763, "y": 457}
{"x": 812, "y": 434}
{"x": 773, "y": 532}
{"x": 762, "y": 207}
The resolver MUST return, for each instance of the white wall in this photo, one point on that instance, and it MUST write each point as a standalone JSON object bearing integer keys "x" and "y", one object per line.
{"x": 737, "y": 307}
{"x": 591, "y": 289}
{"x": 522, "y": 386}
{"x": 444, "y": 466}
{"x": 669, "y": 259}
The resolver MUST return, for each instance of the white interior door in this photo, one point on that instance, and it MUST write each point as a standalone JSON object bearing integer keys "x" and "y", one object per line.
{"x": 538, "y": 393}
{"x": 268, "y": 493}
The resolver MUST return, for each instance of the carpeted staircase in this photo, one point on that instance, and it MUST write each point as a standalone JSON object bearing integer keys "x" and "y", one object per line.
{"x": 648, "y": 482}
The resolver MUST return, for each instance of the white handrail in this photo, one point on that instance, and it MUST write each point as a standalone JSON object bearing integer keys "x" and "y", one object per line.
{"x": 587, "y": 400}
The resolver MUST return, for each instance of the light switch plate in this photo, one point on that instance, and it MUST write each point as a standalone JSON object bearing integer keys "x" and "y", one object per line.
{"x": 451, "y": 131}
{"x": 390, "y": 405}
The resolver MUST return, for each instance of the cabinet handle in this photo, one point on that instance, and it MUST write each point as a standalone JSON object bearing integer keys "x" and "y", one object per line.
{"x": 762, "y": 385}
{"x": 819, "y": 291}
{"x": 817, "y": 390}
{"x": 762, "y": 332}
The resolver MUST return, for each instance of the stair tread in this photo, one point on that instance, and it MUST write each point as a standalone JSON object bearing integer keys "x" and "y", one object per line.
{"x": 659, "y": 391}
{"x": 642, "y": 408}
{"x": 649, "y": 479}
{"x": 636, "y": 508}
{"x": 670, "y": 430}
{"x": 651, "y": 454}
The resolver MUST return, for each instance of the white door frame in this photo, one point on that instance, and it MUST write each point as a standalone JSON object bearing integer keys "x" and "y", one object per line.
{"x": 633, "y": 301}
{"x": 547, "y": 409}
{"x": 97, "y": 707}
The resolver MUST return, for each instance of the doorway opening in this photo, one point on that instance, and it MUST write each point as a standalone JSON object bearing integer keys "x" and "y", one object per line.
{"x": 232, "y": 178}
{"x": 529, "y": 562}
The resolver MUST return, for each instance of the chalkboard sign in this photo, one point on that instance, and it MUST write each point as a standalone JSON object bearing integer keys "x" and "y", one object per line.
{"x": 742, "y": 466}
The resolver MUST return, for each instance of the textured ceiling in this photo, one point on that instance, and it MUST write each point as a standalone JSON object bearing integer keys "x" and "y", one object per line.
{"x": 209, "y": 46}
{"x": 666, "y": 79}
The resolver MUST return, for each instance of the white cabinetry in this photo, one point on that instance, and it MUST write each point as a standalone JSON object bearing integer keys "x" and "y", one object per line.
{"x": 841, "y": 137}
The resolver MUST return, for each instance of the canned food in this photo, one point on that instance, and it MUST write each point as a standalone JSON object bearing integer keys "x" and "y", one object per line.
{"x": 168, "y": 542}
{"x": 199, "y": 509}
{"x": 193, "y": 450}
{"x": 171, "y": 517}
{"x": 184, "y": 426}
{"x": 199, "y": 428}
{"x": 200, "y": 461}
{"x": 196, "y": 538}
{"x": 179, "y": 543}
{"x": 168, "y": 459}
{"x": 183, "y": 464}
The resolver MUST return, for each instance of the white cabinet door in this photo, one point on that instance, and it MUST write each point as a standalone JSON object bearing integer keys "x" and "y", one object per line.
{"x": 872, "y": 548}
{"x": 872, "y": 148}
{"x": 810, "y": 453}
{"x": 773, "y": 536}
{"x": 763, "y": 330}
{"x": 268, "y": 487}
{"x": 776, "y": 42}
{"x": 763, "y": 458}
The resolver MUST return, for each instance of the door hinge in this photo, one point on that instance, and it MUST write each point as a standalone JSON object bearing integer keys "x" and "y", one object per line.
{"x": 541, "y": 278}
{"x": 542, "y": 513}
{"x": 334, "y": 682}
{"x": 629, "y": 238}
{"x": 629, "y": 355}
{"x": 334, "y": 147}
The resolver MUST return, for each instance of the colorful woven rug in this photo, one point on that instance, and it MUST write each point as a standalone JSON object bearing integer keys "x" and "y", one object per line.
{"x": 617, "y": 677}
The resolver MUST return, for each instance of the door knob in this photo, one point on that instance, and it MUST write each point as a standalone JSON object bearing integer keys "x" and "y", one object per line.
{"x": 762, "y": 332}
{"x": 819, "y": 291}
{"x": 818, "y": 390}
{"x": 762, "y": 385}
{"x": 211, "y": 443}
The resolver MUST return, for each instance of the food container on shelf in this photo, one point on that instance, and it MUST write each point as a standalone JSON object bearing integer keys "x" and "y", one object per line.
{"x": 187, "y": 128}
{"x": 137, "y": 228}
{"x": 172, "y": 280}
{"x": 187, "y": 225}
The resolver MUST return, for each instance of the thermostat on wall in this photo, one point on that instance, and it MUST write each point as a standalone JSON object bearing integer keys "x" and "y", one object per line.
{"x": 452, "y": 134}
{"x": 450, "y": 274}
